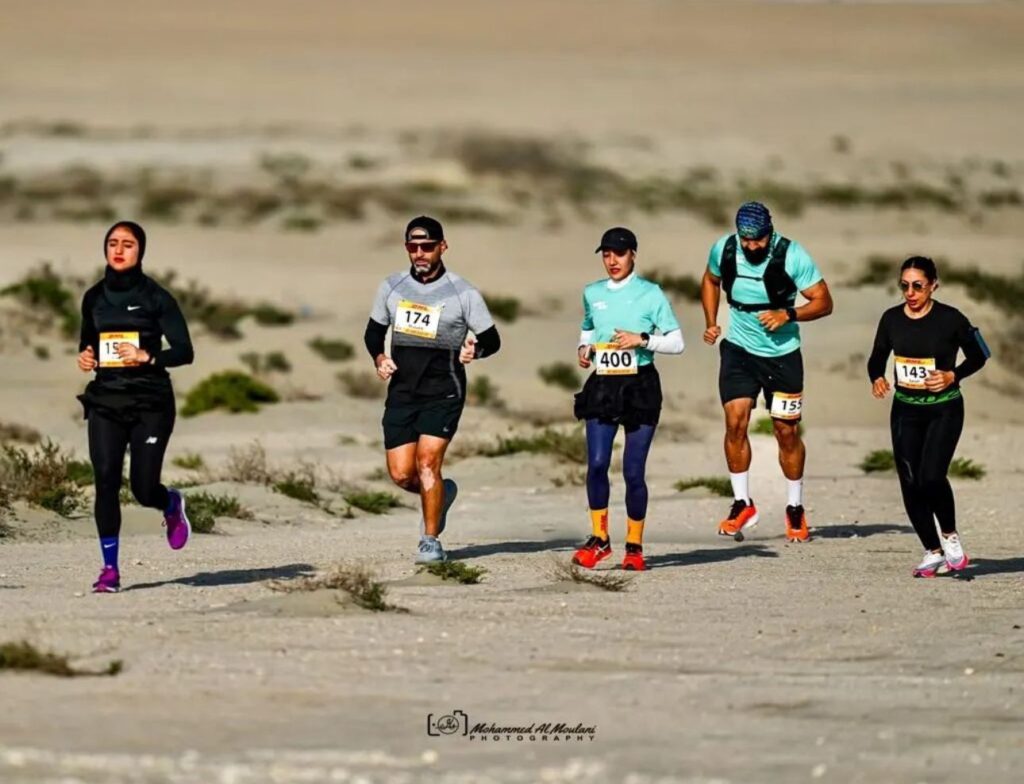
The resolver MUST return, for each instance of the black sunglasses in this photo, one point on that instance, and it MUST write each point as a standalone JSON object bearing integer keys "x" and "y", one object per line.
{"x": 426, "y": 247}
{"x": 917, "y": 285}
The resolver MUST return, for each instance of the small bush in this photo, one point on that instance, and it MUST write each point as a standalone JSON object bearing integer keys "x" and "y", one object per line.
{"x": 24, "y": 656}
{"x": 879, "y": 271}
{"x": 268, "y": 315}
{"x": 81, "y": 472}
{"x": 261, "y": 364}
{"x": 965, "y": 468}
{"x": 372, "y": 501}
{"x": 301, "y": 487}
{"x": 685, "y": 287}
{"x": 481, "y": 391}
{"x": 44, "y": 289}
{"x": 236, "y": 392}
{"x": 356, "y": 581}
{"x": 571, "y": 447}
{"x": 456, "y": 571}
{"x": 22, "y": 433}
{"x": 566, "y": 571}
{"x": 190, "y": 461}
{"x": 301, "y": 222}
{"x": 719, "y": 485}
{"x": 41, "y": 352}
{"x": 41, "y": 478}
{"x": 505, "y": 309}
{"x": 248, "y": 464}
{"x": 362, "y": 384}
{"x": 332, "y": 350}
{"x": 204, "y": 508}
{"x": 561, "y": 375}
{"x": 879, "y": 460}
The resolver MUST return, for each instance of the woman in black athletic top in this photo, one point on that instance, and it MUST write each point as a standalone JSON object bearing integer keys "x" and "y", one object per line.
{"x": 126, "y": 318}
{"x": 928, "y": 408}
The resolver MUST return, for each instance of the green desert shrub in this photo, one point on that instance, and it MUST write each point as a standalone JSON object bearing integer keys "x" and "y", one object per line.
{"x": 570, "y": 447}
{"x": 561, "y": 375}
{"x": 505, "y": 309}
{"x": 332, "y": 350}
{"x": 204, "y": 509}
{"x": 40, "y": 477}
{"x": 230, "y": 390}
{"x": 719, "y": 485}
{"x": 298, "y": 485}
{"x": 455, "y": 571}
{"x": 372, "y": 501}
{"x": 44, "y": 289}
{"x": 25, "y": 657}
{"x": 362, "y": 384}
{"x": 965, "y": 468}
{"x": 878, "y": 460}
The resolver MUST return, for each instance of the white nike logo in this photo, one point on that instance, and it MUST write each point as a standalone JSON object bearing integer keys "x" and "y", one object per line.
{"x": 134, "y": 307}
{"x": 151, "y": 440}
{"x": 108, "y": 546}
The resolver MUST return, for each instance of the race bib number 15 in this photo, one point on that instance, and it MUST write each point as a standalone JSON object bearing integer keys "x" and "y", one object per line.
{"x": 611, "y": 360}
{"x": 787, "y": 405}
{"x": 109, "y": 341}
{"x": 411, "y": 318}
{"x": 911, "y": 373}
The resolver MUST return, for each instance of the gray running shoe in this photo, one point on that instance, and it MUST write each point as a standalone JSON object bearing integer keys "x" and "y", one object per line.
{"x": 430, "y": 551}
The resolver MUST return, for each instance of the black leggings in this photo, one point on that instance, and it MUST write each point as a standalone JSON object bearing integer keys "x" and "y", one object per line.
{"x": 924, "y": 438}
{"x": 146, "y": 433}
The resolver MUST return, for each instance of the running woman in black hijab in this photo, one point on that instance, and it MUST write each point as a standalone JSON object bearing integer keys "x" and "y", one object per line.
{"x": 126, "y": 318}
{"x": 928, "y": 407}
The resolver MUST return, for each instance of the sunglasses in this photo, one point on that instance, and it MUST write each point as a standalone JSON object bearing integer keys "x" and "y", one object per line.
{"x": 917, "y": 285}
{"x": 426, "y": 247}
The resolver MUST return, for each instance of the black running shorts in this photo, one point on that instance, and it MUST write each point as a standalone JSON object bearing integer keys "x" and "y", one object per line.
{"x": 404, "y": 423}
{"x": 743, "y": 374}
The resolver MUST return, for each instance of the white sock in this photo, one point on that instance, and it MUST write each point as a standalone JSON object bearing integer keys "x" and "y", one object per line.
{"x": 739, "y": 485}
{"x": 795, "y": 491}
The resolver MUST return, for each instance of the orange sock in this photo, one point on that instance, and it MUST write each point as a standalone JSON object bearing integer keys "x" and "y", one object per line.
{"x": 634, "y": 531}
{"x": 599, "y": 523}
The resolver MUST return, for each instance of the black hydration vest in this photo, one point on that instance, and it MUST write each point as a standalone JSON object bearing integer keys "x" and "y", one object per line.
{"x": 778, "y": 284}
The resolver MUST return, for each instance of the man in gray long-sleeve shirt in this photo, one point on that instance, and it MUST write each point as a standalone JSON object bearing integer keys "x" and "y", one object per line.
{"x": 430, "y": 312}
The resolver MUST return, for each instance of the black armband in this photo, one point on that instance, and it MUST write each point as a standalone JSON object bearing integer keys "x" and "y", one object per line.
{"x": 373, "y": 338}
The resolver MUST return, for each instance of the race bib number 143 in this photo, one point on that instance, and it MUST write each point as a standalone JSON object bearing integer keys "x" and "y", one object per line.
{"x": 911, "y": 373}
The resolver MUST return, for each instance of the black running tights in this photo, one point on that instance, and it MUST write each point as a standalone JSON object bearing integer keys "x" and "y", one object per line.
{"x": 146, "y": 433}
{"x": 924, "y": 438}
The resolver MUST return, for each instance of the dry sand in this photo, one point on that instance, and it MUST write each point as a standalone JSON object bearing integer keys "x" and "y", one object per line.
{"x": 760, "y": 662}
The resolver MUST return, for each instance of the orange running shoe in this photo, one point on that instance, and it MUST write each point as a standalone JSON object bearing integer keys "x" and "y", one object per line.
{"x": 796, "y": 524}
{"x": 634, "y": 559}
{"x": 593, "y": 552}
{"x": 742, "y": 517}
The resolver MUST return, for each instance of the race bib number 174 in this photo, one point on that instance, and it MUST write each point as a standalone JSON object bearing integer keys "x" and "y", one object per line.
{"x": 412, "y": 318}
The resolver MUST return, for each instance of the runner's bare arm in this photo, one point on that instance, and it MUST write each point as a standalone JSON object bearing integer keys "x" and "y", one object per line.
{"x": 710, "y": 296}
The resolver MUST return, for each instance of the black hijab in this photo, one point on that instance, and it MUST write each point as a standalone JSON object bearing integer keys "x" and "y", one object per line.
{"x": 125, "y": 280}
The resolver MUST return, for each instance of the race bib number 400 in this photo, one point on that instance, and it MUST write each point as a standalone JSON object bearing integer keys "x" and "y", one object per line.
{"x": 109, "y": 341}
{"x": 611, "y": 360}
{"x": 787, "y": 405}
{"x": 911, "y": 373}
{"x": 411, "y": 318}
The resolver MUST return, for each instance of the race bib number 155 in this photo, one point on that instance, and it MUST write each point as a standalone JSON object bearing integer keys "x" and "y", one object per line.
{"x": 787, "y": 405}
{"x": 109, "y": 341}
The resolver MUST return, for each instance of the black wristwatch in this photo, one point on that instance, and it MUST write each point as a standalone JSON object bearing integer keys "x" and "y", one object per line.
{"x": 791, "y": 314}
{"x": 645, "y": 338}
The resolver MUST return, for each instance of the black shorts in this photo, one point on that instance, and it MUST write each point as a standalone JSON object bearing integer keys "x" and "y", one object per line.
{"x": 743, "y": 374}
{"x": 404, "y": 423}
{"x": 622, "y": 400}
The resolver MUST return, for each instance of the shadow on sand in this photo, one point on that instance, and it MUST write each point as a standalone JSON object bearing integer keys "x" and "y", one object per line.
{"x": 235, "y": 576}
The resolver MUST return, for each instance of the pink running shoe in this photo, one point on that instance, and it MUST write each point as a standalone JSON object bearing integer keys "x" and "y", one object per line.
{"x": 109, "y": 581}
{"x": 179, "y": 529}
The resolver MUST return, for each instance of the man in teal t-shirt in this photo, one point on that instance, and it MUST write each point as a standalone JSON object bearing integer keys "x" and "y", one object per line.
{"x": 761, "y": 272}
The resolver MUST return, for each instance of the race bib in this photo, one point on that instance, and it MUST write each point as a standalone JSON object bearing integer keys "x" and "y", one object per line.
{"x": 611, "y": 360}
{"x": 109, "y": 341}
{"x": 787, "y": 405}
{"x": 911, "y": 373}
{"x": 411, "y": 318}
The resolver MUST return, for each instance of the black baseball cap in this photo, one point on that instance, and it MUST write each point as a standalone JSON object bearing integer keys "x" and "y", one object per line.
{"x": 429, "y": 229}
{"x": 617, "y": 239}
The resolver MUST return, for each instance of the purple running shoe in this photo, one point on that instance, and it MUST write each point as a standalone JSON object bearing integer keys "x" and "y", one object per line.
{"x": 179, "y": 529}
{"x": 109, "y": 581}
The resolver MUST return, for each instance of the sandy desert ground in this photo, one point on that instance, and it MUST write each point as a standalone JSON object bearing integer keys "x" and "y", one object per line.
{"x": 726, "y": 662}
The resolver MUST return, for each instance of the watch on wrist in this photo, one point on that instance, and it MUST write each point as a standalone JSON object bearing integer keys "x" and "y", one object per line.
{"x": 791, "y": 314}
{"x": 645, "y": 338}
